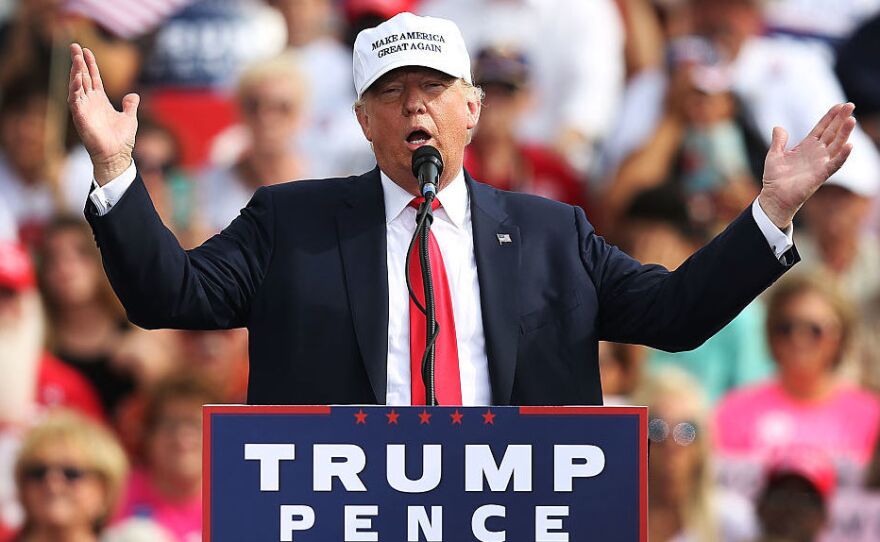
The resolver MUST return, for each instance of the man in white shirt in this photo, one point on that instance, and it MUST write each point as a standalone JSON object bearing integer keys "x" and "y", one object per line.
{"x": 525, "y": 288}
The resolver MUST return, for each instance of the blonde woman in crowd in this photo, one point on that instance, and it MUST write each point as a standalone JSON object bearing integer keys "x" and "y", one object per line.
{"x": 271, "y": 101}
{"x": 810, "y": 325}
{"x": 683, "y": 504}
{"x": 69, "y": 473}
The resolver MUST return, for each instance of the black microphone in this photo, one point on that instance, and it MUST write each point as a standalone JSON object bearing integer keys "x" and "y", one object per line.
{"x": 427, "y": 166}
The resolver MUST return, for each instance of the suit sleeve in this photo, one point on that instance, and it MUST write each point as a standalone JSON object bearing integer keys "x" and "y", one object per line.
{"x": 680, "y": 310}
{"x": 161, "y": 285}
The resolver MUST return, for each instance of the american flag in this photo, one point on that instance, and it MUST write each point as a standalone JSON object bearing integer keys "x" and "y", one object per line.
{"x": 127, "y": 18}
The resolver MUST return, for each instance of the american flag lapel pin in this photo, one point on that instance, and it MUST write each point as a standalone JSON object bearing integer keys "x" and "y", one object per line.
{"x": 503, "y": 238}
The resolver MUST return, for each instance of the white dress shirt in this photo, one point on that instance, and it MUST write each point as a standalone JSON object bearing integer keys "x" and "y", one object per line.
{"x": 454, "y": 233}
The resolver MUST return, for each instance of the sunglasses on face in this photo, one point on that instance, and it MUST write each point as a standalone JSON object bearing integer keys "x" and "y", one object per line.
{"x": 70, "y": 473}
{"x": 813, "y": 330}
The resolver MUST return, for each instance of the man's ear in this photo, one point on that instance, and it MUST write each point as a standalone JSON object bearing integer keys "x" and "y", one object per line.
{"x": 364, "y": 120}
{"x": 474, "y": 106}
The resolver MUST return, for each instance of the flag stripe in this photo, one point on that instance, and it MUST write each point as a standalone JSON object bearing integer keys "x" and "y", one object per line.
{"x": 127, "y": 18}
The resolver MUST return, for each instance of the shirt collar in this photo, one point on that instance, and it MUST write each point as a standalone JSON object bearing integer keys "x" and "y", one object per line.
{"x": 453, "y": 198}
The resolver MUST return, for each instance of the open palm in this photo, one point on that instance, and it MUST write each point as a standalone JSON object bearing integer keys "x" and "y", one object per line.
{"x": 107, "y": 134}
{"x": 792, "y": 176}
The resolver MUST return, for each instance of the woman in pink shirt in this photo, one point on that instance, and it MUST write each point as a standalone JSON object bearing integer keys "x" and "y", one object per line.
{"x": 167, "y": 489}
{"x": 809, "y": 325}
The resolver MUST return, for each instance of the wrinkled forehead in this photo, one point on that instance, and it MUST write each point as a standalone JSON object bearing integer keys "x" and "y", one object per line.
{"x": 398, "y": 74}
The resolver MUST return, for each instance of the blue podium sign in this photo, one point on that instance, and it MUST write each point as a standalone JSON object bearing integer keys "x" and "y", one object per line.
{"x": 395, "y": 474}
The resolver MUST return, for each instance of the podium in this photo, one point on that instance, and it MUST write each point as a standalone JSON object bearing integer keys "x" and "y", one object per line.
{"x": 400, "y": 474}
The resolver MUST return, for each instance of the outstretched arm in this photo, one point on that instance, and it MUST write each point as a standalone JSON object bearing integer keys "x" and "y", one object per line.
{"x": 159, "y": 283}
{"x": 679, "y": 310}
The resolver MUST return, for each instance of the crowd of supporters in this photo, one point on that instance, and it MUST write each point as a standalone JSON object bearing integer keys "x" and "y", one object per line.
{"x": 653, "y": 115}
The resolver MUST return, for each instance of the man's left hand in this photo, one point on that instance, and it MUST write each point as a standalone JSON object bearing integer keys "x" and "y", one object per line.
{"x": 791, "y": 177}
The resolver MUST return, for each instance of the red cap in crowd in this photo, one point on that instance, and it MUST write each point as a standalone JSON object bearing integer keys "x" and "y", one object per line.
{"x": 810, "y": 464}
{"x": 383, "y": 8}
{"x": 16, "y": 268}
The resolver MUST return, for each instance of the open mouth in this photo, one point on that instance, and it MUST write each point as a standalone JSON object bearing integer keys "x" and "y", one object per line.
{"x": 418, "y": 137}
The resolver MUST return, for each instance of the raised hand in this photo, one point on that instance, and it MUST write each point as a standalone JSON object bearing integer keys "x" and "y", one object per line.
{"x": 791, "y": 177}
{"x": 107, "y": 134}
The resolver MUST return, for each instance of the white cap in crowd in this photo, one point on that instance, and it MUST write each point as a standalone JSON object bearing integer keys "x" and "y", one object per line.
{"x": 409, "y": 40}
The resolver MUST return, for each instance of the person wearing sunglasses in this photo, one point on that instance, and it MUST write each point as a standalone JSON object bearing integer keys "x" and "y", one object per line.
{"x": 810, "y": 325}
{"x": 683, "y": 503}
{"x": 69, "y": 474}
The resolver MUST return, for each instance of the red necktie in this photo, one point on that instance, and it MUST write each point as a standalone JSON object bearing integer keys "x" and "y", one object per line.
{"x": 447, "y": 382}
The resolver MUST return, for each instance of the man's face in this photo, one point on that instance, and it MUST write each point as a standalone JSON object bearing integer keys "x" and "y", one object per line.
{"x": 411, "y": 107}
{"x": 836, "y": 215}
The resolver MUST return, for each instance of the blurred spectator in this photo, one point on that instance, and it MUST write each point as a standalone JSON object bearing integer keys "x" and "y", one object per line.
{"x": 193, "y": 61}
{"x": 837, "y": 243}
{"x": 331, "y": 138}
{"x": 576, "y": 50}
{"x": 271, "y": 98}
{"x": 651, "y": 25}
{"x": 496, "y": 156}
{"x": 657, "y": 230}
{"x": 157, "y": 154}
{"x": 824, "y": 20}
{"x": 220, "y": 358}
{"x": 29, "y": 376}
{"x": 794, "y": 504}
{"x": 363, "y": 14}
{"x": 858, "y": 68}
{"x": 36, "y": 177}
{"x": 69, "y": 473}
{"x": 683, "y": 505}
{"x": 28, "y": 39}
{"x": 86, "y": 320}
{"x": 30, "y": 379}
{"x": 167, "y": 488}
{"x": 810, "y": 324}
{"x": 137, "y": 530}
{"x": 150, "y": 356}
{"x": 782, "y": 82}
{"x": 620, "y": 367}
{"x": 701, "y": 143}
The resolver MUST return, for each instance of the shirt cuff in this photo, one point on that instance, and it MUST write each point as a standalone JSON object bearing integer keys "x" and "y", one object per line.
{"x": 780, "y": 241}
{"x": 105, "y": 197}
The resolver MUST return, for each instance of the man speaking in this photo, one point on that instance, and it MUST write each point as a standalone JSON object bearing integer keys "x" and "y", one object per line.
{"x": 524, "y": 288}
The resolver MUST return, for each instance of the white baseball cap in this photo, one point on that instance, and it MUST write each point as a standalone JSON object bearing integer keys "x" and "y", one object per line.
{"x": 409, "y": 40}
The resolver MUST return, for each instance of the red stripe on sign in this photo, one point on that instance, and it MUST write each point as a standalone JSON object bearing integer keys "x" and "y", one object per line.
{"x": 268, "y": 409}
{"x": 580, "y": 410}
{"x": 643, "y": 474}
{"x": 206, "y": 474}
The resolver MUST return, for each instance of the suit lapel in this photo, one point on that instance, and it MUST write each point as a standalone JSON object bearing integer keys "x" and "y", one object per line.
{"x": 361, "y": 228}
{"x": 497, "y": 246}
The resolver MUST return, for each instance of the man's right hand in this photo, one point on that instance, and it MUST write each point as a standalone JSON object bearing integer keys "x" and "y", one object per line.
{"x": 107, "y": 134}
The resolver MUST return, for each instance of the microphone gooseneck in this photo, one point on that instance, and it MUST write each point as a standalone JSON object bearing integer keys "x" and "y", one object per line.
{"x": 427, "y": 166}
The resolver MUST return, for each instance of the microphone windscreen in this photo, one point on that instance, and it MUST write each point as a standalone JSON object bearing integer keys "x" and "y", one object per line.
{"x": 425, "y": 154}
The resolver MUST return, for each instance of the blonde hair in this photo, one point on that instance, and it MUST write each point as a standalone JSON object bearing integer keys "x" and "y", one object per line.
{"x": 285, "y": 66}
{"x": 98, "y": 445}
{"x": 823, "y": 285}
{"x": 697, "y": 513}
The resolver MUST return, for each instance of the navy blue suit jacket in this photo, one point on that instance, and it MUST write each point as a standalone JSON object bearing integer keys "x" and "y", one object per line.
{"x": 304, "y": 268}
